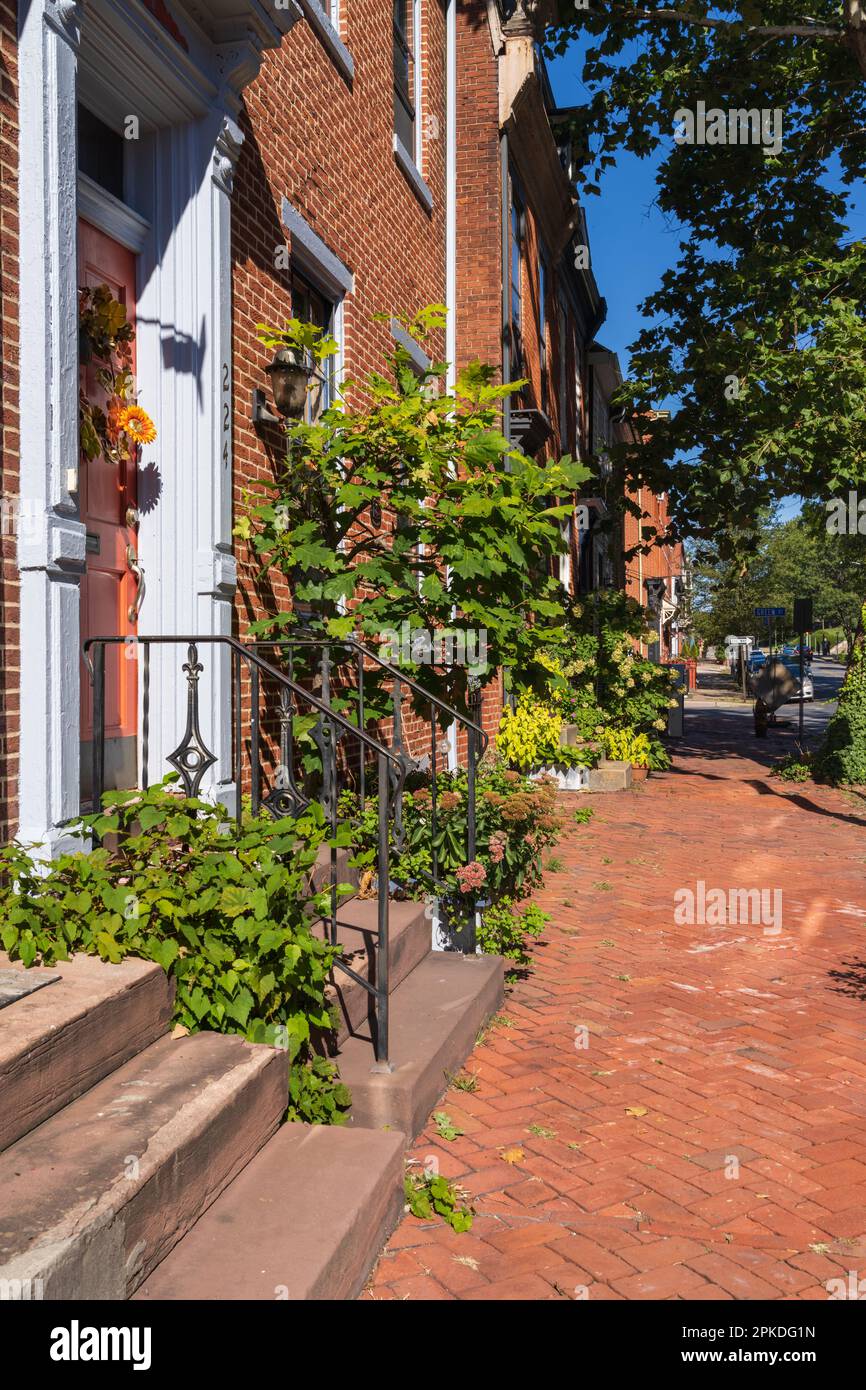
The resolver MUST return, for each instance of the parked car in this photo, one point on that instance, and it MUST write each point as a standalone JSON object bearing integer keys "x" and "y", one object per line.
{"x": 792, "y": 653}
{"x": 808, "y": 688}
{"x": 756, "y": 660}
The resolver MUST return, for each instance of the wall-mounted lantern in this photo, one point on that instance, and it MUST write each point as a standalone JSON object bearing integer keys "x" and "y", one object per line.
{"x": 290, "y": 374}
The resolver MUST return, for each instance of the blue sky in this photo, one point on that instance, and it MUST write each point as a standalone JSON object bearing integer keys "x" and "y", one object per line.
{"x": 631, "y": 242}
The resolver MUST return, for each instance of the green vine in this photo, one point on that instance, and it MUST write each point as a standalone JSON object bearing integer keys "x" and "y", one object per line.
{"x": 429, "y": 1195}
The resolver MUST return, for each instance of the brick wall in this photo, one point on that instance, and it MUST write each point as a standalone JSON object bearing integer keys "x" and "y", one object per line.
{"x": 479, "y": 223}
{"x": 661, "y": 561}
{"x": 327, "y": 147}
{"x": 9, "y": 475}
{"x": 479, "y": 237}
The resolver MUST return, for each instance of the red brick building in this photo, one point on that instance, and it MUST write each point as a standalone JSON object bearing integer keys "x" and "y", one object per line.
{"x": 220, "y": 164}
{"x": 618, "y": 544}
{"x": 527, "y": 298}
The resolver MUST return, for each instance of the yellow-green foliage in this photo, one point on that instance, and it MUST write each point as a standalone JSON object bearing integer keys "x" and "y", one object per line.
{"x": 529, "y": 735}
{"x": 626, "y": 746}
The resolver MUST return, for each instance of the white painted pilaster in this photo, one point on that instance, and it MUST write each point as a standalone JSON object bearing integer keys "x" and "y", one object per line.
{"x": 51, "y": 539}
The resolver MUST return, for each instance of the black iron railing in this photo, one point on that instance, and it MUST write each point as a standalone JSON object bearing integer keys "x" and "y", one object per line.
{"x": 344, "y": 671}
{"x": 291, "y": 792}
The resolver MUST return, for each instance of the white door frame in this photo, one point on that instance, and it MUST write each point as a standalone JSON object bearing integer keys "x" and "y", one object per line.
{"x": 187, "y": 100}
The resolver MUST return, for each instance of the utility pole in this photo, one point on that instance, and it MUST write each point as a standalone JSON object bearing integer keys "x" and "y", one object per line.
{"x": 802, "y": 621}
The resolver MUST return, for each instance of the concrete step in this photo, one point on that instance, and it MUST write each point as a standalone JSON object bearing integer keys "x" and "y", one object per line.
{"x": 358, "y": 932}
{"x": 97, "y": 1196}
{"x": 305, "y": 1220}
{"x": 609, "y": 777}
{"x": 320, "y": 875}
{"x": 435, "y": 1015}
{"x": 59, "y": 1041}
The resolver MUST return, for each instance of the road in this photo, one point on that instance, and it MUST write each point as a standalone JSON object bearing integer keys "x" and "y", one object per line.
{"x": 716, "y": 691}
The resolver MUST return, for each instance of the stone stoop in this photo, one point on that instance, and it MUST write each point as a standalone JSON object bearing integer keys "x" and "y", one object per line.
{"x": 59, "y": 1041}
{"x": 97, "y": 1195}
{"x": 130, "y": 1159}
{"x": 357, "y": 931}
{"x": 306, "y": 1219}
{"x": 609, "y": 777}
{"x": 435, "y": 1016}
{"x": 439, "y": 1000}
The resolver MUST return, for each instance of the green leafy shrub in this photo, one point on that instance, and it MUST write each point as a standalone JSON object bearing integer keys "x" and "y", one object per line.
{"x": 629, "y": 746}
{"x": 516, "y": 819}
{"x": 506, "y": 930}
{"x": 429, "y": 1194}
{"x": 468, "y": 543}
{"x": 599, "y": 678}
{"x": 316, "y": 1094}
{"x": 529, "y": 737}
{"x": 842, "y": 757}
{"x": 796, "y": 767}
{"x": 225, "y": 912}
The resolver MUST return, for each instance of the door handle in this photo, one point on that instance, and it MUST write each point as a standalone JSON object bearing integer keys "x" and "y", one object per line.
{"x": 138, "y": 570}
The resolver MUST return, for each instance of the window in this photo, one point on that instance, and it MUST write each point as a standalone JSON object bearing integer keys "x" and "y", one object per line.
{"x": 404, "y": 74}
{"x": 100, "y": 152}
{"x": 312, "y": 307}
{"x": 562, "y": 324}
{"x": 516, "y": 273}
{"x": 565, "y": 558}
{"x": 578, "y": 397}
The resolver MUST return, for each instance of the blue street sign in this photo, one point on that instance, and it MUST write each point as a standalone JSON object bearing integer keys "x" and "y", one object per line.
{"x": 769, "y": 612}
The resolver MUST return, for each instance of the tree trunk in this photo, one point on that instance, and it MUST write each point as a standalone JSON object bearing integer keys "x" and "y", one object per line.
{"x": 855, "y": 24}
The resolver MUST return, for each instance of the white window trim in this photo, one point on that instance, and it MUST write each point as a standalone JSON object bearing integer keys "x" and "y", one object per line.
{"x": 319, "y": 264}
{"x": 418, "y": 92}
{"x": 323, "y": 17}
{"x": 410, "y": 169}
{"x": 420, "y": 360}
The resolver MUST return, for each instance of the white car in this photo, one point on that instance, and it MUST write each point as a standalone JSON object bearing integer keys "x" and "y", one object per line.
{"x": 808, "y": 687}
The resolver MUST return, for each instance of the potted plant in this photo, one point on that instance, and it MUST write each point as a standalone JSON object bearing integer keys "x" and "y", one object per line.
{"x": 530, "y": 738}
{"x": 632, "y": 746}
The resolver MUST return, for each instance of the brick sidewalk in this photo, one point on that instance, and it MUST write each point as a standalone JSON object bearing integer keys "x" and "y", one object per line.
{"x": 710, "y": 1141}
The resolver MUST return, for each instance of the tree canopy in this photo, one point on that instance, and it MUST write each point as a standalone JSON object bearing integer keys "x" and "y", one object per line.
{"x": 794, "y": 557}
{"x": 756, "y": 336}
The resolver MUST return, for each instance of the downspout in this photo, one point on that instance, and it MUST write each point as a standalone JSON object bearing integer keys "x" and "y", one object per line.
{"x": 506, "y": 281}
{"x": 640, "y": 558}
{"x": 451, "y": 191}
{"x": 451, "y": 238}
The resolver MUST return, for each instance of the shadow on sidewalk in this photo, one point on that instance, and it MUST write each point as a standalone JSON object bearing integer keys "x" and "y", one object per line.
{"x": 851, "y": 981}
{"x": 715, "y": 735}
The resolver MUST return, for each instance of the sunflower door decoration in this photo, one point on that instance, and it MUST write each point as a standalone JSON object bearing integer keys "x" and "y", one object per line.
{"x": 116, "y": 429}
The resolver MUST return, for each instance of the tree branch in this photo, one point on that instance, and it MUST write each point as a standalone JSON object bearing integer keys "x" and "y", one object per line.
{"x": 809, "y": 29}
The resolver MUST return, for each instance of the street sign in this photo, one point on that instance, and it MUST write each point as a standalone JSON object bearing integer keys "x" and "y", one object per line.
{"x": 803, "y": 614}
{"x": 769, "y": 612}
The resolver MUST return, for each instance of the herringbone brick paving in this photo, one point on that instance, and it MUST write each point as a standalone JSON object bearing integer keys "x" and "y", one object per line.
{"x": 709, "y": 1142}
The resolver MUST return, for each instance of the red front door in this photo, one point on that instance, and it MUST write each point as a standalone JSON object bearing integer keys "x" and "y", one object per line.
{"x": 107, "y": 494}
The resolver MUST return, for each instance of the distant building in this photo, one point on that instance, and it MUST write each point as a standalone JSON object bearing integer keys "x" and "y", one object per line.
{"x": 616, "y": 545}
